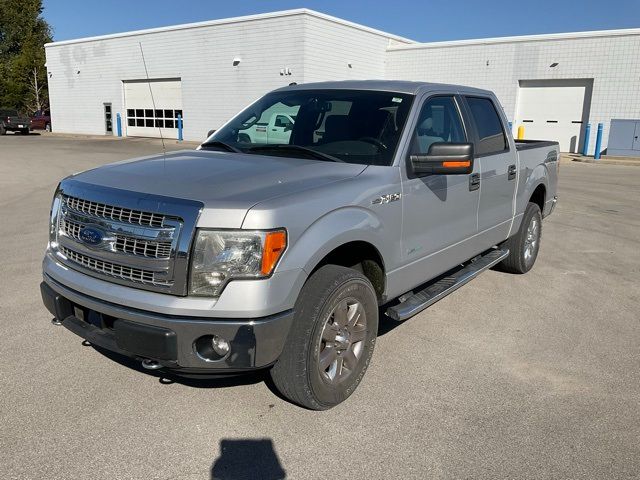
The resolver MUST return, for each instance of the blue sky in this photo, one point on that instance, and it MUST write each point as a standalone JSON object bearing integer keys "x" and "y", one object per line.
{"x": 422, "y": 20}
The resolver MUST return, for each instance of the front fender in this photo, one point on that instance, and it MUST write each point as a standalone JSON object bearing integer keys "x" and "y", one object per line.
{"x": 335, "y": 228}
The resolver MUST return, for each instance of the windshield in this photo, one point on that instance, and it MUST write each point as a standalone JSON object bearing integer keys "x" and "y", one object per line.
{"x": 354, "y": 126}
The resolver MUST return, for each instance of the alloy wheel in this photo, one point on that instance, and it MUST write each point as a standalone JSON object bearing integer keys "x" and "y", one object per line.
{"x": 342, "y": 341}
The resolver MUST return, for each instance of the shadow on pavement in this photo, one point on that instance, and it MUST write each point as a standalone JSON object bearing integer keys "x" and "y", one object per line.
{"x": 247, "y": 459}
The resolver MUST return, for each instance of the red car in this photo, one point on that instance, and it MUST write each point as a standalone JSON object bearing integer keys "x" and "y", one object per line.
{"x": 41, "y": 120}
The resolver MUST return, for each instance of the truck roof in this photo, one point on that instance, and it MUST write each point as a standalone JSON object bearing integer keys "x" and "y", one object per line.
{"x": 400, "y": 86}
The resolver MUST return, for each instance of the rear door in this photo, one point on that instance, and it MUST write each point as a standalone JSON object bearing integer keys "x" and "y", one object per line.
{"x": 498, "y": 167}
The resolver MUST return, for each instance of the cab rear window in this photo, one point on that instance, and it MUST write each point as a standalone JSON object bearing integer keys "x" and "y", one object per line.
{"x": 490, "y": 132}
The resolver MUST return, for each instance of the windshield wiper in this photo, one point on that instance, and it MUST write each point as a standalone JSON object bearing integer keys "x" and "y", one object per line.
{"x": 219, "y": 144}
{"x": 294, "y": 148}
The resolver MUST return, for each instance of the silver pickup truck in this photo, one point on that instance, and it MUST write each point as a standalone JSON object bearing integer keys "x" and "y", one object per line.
{"x": 385, "y": 197}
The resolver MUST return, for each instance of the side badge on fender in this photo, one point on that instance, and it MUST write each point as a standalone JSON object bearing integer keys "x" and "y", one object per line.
{"x": 388, "y": 198}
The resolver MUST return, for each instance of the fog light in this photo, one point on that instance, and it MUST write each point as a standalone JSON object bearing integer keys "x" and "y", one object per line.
{"x": 212, "y": 348}
{"x": 220, "y": 345}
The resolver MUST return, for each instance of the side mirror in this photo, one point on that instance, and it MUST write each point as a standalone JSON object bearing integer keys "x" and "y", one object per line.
{"x": 210, "y": 132}
{"x": 444, "y": 158}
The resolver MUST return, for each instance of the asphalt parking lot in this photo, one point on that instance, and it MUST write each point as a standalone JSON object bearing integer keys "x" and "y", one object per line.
{"x": 534, "y": 376}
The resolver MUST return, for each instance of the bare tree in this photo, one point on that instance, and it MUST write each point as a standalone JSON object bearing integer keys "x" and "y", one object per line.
{"x": 36, "y": 88}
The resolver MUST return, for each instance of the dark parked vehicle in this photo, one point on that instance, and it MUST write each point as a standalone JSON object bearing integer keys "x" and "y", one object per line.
{"x": 10, "y": 121}
{"x": 41, "y": 120}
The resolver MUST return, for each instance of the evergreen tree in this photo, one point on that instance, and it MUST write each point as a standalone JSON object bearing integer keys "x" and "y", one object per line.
{"x": 23, "y": 76}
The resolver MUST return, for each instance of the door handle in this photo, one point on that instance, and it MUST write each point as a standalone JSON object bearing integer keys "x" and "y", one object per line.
{"x": 474, "y": 182}
{"x": 512, "y": 172}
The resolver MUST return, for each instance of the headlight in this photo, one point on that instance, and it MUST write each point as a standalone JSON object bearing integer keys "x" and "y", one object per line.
{"x": 223, "y": 255}
{"x": 54, "y": 218}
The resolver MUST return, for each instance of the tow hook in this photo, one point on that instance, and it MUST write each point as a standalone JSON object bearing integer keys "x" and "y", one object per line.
{"x": 150, "y": 364}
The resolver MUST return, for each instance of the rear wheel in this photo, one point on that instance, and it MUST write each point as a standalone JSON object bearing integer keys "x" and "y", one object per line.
{"x": 24, "y": 131}
{"x": 524, "y": 246}
{"x": 331, "y": 340}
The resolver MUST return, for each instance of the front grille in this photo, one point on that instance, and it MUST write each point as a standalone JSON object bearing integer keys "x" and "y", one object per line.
{"x": 127, "y": 215}
{"x": 131, "y": 245}
{"x": 134, "y": 239}
{"x": 124, "y": 272}
{"x": 145, "y": 248}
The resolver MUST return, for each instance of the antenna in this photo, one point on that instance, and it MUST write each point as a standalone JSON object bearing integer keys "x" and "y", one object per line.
{"x": 153, "y": 102}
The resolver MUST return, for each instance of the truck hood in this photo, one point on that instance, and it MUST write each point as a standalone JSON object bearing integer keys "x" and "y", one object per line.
{"x": 228, "y": 184}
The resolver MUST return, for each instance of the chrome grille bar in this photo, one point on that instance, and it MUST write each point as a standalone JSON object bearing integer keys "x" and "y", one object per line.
{"x": 137, "y": 275}
{"x": 120, "y": 214}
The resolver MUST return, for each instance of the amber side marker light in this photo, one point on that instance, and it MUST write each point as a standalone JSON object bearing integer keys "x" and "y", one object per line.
{"x": 274, "y": 245}
{"x": 456, "y": 164}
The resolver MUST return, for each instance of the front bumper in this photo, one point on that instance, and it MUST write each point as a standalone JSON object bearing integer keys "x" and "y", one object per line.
{"x": 169, "y": 340}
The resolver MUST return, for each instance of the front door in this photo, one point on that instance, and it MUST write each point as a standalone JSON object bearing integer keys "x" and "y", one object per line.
{"x": 439, "y": 211}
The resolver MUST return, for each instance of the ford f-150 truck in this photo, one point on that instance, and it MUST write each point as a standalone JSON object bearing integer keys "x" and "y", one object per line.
{"x": 238, "y": 256}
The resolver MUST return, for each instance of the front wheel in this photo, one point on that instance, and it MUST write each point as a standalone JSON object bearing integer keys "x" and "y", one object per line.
{"x": 331, "y": 340}
{"x": 524, "y": 245}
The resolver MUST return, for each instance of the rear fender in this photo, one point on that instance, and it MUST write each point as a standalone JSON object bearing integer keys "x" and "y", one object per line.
{"x": 538, "y": 176}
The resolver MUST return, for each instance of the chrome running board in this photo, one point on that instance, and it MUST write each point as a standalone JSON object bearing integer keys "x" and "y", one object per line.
{"x": 445, "y": 285}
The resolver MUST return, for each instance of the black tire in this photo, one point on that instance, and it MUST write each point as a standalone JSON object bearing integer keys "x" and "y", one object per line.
{"x": 298, "y": 374}
{"x": 25, "y": 131}
{"x": 520, "y": 259}
{"x": 3, "y": 131}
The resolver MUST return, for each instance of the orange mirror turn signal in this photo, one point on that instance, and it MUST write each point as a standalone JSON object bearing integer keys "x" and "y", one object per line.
{"x": 454, "y": 164}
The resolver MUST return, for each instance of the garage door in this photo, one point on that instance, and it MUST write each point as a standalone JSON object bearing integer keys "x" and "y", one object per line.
{"x": 142, "y": 119}
{"x": 554, "y": 110}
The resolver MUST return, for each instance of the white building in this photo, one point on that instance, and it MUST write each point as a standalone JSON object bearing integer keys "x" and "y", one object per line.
{"x": 206, "y": 72}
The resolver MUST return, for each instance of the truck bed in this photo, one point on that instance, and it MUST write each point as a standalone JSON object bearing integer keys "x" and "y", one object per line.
{"x": 527, "y": 144}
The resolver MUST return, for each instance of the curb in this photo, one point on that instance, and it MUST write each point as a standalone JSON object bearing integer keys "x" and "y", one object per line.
{"x": 608, "y": 161}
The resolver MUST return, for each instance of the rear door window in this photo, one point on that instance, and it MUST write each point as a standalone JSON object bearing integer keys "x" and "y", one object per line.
{"x": 492, "y": 138}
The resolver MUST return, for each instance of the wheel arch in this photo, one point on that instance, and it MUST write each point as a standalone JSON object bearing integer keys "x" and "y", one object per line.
{"x": 362, "y": 256}
{"x": 349, "y": 237}
{"x": 539, "y": 195}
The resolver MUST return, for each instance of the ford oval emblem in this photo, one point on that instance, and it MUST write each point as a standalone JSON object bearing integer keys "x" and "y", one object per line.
{"x": 91, "y": 236}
